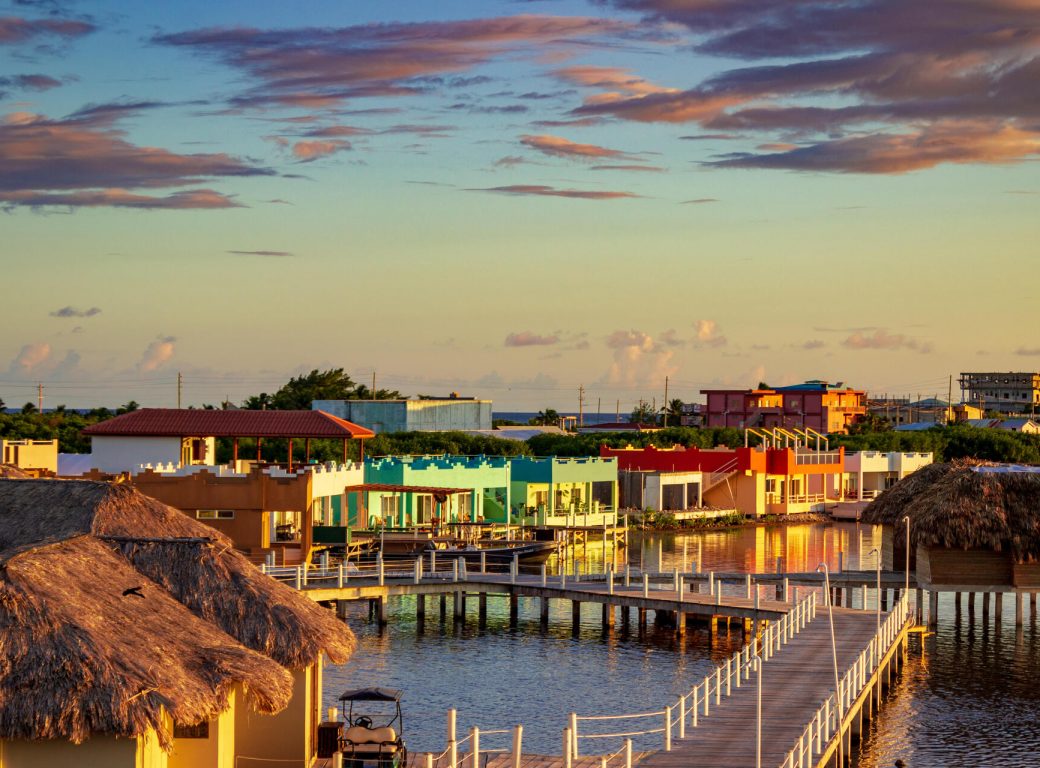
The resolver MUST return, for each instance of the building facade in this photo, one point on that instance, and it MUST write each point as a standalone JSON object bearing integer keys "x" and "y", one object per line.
{"x": 813, "y": 405}
{"x": 1002, "y": 392}
{"x": 449, "y": 414}
{"x": 560, "y": 492}
{"x": 34, "y": 456}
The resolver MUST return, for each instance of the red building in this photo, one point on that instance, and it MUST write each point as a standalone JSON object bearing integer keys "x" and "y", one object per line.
{"x": 815, "y": 405}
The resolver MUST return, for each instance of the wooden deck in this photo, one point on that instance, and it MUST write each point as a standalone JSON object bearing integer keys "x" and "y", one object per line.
{"x": 794, "y": 683}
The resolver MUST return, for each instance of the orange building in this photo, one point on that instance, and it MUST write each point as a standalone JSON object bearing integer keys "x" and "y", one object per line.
{"x": 814, "y": 405}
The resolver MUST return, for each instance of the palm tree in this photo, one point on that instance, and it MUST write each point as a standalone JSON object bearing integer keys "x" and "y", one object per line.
{"x": 547, "y": 418}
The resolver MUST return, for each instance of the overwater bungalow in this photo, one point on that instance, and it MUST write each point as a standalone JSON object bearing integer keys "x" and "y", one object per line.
{"x": 135, "y": 636}
{"x": 974, "y": 526}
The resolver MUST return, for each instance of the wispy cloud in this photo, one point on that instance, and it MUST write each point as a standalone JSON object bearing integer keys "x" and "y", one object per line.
{"x": 875, "y": 86}
{"x": 14, "y": 29}
{"x": 700, "y": 201}
{"x": 542, "y": 190}
{"x": 557, "y": 146}
{"x": 85, "y": 160}
{"x": 320, "y": 67}
{"x": 74, "y": 312}
{"x": 530, "y": 339}
{"x": 265, "y": 254}
{"x": 1028, "y": 351}
{"x": 882, "y": 339}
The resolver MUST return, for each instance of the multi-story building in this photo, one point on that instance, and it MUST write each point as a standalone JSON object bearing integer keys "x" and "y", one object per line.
{"x": 1003, "y": 392}
{"x": 815, "y": 405}
{"x": 38, "y": 457}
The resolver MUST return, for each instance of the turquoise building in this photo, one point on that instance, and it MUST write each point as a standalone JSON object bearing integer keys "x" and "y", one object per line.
{"x": 406, "y": 491}
{"x": 564, "y": 491}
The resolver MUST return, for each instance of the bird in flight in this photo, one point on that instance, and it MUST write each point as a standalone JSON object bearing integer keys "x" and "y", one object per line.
{"x": 135, "y": 591}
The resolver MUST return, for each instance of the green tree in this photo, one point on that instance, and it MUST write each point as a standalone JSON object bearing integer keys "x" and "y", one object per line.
{"x": 674, "y": 412}
{"x": 300, "y": 391}
{"x": 547, "y": 418}
{"x": 127, "y": 407}
{"x": 643, "y": 414}
{"x": 29, "y": 408}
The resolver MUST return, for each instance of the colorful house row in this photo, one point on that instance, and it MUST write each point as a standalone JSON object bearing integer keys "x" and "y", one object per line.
{"x": 755, "y": 481}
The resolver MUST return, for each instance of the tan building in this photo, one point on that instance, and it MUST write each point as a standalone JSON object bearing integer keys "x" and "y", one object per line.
{"x": 1002, "y": 392}
{"x": 34, "y": 456}
{"x": 124, "y": 618}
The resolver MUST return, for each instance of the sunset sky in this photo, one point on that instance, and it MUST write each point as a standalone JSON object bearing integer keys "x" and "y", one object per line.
{"x": 511, "y": 199}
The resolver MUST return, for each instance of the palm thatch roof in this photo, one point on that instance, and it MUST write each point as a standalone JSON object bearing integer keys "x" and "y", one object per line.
{"x": 9, "y": 470}
{"x": 964, "y": 505}
{"x": 79, "y": 658}
{"x": 196, "y": 564}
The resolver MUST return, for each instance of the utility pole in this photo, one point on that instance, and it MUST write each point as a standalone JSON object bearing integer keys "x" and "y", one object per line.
{"x": 581, "y": 405}
{"x": 373, "y": 385}
{"x": 666, "y": 402}
{"x": 180, "y": 386}
{"x": 617, "y": 412}
{"x": 949, "y": 402}
{"x": 599, "y": 403}
{"x": 39, "y": 396}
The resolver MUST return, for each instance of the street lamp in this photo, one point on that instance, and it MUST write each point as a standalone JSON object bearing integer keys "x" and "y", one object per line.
{"x": 756, "y": 665}
{"x": 834, "y": 658}
{"x": 877, "y": 559}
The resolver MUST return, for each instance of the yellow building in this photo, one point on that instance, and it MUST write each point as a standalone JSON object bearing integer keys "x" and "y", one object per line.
{"x": 30, "y": 455}
{"x": 146, "y": 640}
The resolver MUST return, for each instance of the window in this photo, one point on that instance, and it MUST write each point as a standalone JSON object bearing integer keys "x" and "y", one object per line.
{"x": 424, "y": 508}
{"x": 388, "y": 506}
{"x": 214, "y": 514}
{"x": 200, "y": 731}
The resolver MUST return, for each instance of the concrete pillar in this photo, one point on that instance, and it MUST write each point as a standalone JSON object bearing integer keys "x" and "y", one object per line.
{"x": 608, "y": 616}
{"x": 626, "y": 615}
{"x": 1018, "y": 609}
{"x": 381, "y": 611}
{"x": 642, "y": 619}
{"x": 420, "y": 607}
{"x": 460, "y": 606}
{"x": 920, "y": 606}
{"x": 341, "y": 609}
{"x": 933, "y": 609}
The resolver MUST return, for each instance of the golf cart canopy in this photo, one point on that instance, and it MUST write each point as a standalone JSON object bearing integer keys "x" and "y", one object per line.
{"x": 371, "y": 694}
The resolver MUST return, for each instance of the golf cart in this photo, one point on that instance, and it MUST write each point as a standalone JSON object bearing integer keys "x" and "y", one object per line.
{"x": 368, "y": 735}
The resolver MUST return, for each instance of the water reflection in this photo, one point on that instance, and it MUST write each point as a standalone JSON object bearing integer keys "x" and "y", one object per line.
{"x": 969, "y": 697}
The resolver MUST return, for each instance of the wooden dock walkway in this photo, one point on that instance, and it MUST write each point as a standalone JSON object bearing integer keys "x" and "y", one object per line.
{"x": 794, "y": 684}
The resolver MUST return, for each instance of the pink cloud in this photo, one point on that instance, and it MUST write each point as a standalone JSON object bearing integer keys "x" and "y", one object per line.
{"x": 157, "y": 354}
{"x": 30, "y": 358}
{"x": 708, "y": 334}
{"x": 14, "y": 29}
{"x": 119, "y": 198}
{"x": 305, "y": 151}
{"x": 557, "y": 146}
{"x": 529, "y": 339}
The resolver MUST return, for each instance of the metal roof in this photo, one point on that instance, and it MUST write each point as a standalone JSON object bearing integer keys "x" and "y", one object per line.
{"x": 371, "y": 694}
{"x": 187, "y": 422}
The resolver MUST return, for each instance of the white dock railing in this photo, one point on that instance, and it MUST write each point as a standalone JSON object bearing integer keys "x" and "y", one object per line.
{"x": 690, "y": 709}
{"x": 450, "y": 758}
{"x": 825, "y": 723}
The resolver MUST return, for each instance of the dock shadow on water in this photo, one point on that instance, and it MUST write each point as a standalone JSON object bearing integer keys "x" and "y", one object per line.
{"x": 498, "y": 676}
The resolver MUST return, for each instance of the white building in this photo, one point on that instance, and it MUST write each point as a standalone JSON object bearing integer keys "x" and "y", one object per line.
{"x": 868, "y": 473}
{"x": 444, "y": 414}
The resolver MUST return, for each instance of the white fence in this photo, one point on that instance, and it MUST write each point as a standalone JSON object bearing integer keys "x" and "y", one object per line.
{"x": 689, "y": 710}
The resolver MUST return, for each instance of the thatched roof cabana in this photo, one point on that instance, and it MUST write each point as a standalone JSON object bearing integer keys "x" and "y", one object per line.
{"x": 965, "y": 505}
{"x": 77, "y": 656}
{"x": 195, "y": 563}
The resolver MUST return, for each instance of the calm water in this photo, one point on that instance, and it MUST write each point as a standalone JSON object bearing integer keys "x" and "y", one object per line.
{"x": 970, "y": 697}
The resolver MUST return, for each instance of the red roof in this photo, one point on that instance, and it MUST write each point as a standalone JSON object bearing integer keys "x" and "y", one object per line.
{"x": 184, "y": 422}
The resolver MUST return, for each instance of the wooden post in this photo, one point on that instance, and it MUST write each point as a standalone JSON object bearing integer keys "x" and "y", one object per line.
{"x": 1018, "y": 609}
{"x": 460, "y": 606}
{"x": 998, "y": 608}
{"x": 482, "y": 609}
{"x": 381, "y": 611}
{"x": 971, "y": 604}
{"x": 680, "y": 624}
{"x": 234, "y": 451}
{"x": 933, "y": 609}
{"x": 544, "y": 613}
{"x": 985, "y": 607}
{"x": 575, "y": 616}
{"x": 1032, "y": 605}
{"x": 290, "y": 454}
{"x": 307, "y": 451}
{"x": 420, "y": 607}
{"x": 514, "y": 609}
{"x": 444, "y": 606}
{"x": 608, "y": 616}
